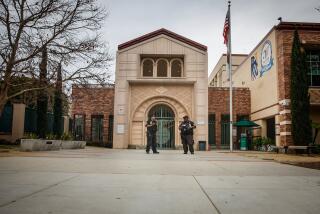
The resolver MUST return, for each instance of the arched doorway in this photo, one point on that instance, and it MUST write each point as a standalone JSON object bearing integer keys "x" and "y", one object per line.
{"x": 166, "y": 126}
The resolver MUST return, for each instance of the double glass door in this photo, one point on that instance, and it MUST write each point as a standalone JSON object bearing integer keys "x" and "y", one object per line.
{"x": 166, "y": 126}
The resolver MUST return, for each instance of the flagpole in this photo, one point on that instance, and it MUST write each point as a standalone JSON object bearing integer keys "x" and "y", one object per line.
{"x": 230, "y": 78}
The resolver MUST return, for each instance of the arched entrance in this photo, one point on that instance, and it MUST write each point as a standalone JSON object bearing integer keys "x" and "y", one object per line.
{"x": 166, "y": 126}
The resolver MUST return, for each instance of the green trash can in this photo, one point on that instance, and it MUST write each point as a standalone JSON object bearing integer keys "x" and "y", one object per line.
{"x": 243, "y": 142}
{"x": 202, "y": 145}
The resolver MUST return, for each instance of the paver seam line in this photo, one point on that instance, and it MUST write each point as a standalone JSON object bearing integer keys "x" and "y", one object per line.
{"x": 33, "y": 193}
{"x": 202, "y": 189}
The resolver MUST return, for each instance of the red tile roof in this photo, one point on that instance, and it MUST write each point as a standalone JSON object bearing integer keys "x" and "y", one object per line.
{"x": 164, "y": 32}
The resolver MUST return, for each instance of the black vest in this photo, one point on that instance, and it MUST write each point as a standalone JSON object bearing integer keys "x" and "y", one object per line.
{"x": 152, "y": 129}
{"x": 186, "y": 127}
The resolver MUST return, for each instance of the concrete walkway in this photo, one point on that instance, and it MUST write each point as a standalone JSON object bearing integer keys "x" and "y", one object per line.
{"x": 97, "y": 180}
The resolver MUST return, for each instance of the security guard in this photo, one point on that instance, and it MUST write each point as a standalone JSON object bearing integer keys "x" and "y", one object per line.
{"x": 186, "y": 130}
{"x": 151, "y": 135}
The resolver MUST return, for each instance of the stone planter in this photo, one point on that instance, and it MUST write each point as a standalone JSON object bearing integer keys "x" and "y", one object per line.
{"x": 72, "y": 144}
{"x": 28, "y": 145}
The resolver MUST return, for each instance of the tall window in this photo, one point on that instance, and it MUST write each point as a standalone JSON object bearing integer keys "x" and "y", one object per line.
{"x": 97, "y": 128}
{"x": 313, "y": 61}
{"x": 110, "y": 129}
{"x": 162, "y": 68}
{"x": 147, "y": 68}
{"x": 79, "y": 126}
{"x": 176, "y": 68}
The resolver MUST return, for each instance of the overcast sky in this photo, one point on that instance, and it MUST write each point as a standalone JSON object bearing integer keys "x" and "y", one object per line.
{"x": 203, "y": 20}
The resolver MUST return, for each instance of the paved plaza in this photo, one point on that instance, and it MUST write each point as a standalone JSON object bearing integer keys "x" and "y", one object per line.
{"x": 98, "y": 180}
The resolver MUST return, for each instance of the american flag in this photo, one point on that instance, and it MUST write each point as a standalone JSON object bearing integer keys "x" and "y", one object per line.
{"x": 226, "y": 27}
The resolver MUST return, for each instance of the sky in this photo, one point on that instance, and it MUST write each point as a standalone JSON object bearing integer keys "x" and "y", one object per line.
{"x": 202, "y": 21}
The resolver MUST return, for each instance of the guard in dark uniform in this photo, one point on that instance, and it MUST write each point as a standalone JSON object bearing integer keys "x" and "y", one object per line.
{"x": 151, "y": 135}
{"x": 186, "y": 130}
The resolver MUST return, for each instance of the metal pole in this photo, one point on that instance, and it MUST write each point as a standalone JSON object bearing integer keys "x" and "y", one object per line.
{"x": 230, "y": 78}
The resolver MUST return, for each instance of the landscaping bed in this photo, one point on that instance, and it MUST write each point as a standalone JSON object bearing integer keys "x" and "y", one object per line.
{"x": 29, "y": 145}
{"x": 301, "y": 160}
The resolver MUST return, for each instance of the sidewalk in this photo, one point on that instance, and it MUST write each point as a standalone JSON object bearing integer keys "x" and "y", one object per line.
{"x": 98, "y": 180}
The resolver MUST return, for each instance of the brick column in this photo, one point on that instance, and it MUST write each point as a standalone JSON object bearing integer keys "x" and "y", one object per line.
{"x": 18, "y": 121}
{"x": 65, "y": 124}
{"x": 285, "y": 123}
{"x": 284, "y": 44}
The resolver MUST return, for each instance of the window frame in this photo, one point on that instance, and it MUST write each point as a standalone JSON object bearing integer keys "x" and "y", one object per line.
{"x": 97, "y": 116}
{"x": 142, "y": 65}
{"x": 182, "y": 67}
{"x": 84, "y": 125}
{"x": 168, "y": 67}
{"x": 309, "y": 68}
{"x": 169, "y": 59}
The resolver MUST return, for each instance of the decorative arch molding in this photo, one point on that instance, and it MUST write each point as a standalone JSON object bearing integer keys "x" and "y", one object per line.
{"x": 140, "y": 113}
{"x": 165, "y": 59}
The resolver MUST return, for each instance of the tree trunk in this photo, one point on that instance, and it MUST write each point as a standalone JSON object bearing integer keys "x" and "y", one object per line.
{"x": 3, "y": 101}
{"x": 3, "y": 96}
{"x": 57, "y": 107}
{"x": 42, "y": 101}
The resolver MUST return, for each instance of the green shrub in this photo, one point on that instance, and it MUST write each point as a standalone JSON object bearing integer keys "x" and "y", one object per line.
{"x": 257, "y": 142}
{"x": 66, "y": 136}
{"x": 51, "y": 136}
{"x": 30, "y": 136}
{"x": 262, "y": 143}
{"x": 268, "y": 141}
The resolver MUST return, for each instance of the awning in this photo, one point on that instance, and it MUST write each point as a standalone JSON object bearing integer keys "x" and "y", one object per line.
{"x": 245, "y": 123}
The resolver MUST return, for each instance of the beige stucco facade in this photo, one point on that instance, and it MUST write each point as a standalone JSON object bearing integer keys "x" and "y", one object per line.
{"x": 219, "y": 76}
{"x": 266, "y": 72}
{"x": 136, "y": 94}
{"x": 264, "y": 89}
{"x": 263, "y": 86}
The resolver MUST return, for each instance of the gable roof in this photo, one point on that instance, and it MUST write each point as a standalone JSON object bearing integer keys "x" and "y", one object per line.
{"x": 164, "y": 32}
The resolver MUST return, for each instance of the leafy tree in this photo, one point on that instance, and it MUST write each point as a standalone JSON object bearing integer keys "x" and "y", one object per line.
{"x": 301, "y": 125}
{"x": 69, "y": 29}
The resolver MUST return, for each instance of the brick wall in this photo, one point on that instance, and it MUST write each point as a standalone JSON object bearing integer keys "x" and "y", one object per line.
{"x": 93, "y": 101}
{"x": 100, "y": 101}
{"x": 284, "y": 36}
{"x": 218, "y": 104}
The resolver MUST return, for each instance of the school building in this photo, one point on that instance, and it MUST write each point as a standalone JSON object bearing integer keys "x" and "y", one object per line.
{"x": 266, "y": 72}
{"x": 165, "y": 74}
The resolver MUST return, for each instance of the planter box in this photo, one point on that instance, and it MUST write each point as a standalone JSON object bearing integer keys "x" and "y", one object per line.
{"x": 28, "y": 145}
{"x": 71, "y": 144}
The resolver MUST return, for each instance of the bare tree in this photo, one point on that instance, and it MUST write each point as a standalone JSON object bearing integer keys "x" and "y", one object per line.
{"x": 69, "y": 29}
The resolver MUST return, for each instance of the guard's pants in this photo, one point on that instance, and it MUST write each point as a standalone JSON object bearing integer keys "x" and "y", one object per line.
{"x": 187, "y": 141}
{"x": 151, "y": 141}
